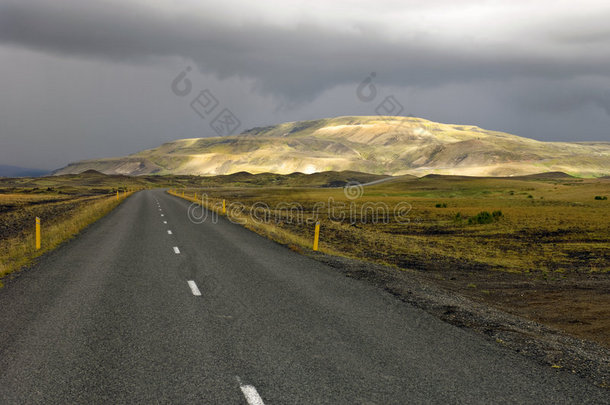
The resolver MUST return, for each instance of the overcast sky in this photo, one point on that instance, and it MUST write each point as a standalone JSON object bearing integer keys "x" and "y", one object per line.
{"x": 87, "y": 79}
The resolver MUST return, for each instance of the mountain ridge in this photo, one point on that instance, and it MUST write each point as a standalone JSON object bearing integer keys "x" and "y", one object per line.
{"x": 379, "y": 145}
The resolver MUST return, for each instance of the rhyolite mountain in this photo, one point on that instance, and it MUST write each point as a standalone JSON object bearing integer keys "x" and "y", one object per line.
{"x": 393, "y": 146}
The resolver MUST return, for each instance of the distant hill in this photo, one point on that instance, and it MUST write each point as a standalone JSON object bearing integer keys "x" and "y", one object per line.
{"x": 392, "y": 146}
{"x": 16, "y": 171}
{"x": 97, "y": 182}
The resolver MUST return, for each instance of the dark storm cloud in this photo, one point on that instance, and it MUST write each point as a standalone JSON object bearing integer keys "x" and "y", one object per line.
{"x": 561, "y": 96}
{"x": 90, "y": 79}
{"x": 296, "y": 62}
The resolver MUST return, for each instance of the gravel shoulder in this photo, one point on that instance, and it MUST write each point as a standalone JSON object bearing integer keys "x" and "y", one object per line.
{"x": 534, "y": 340}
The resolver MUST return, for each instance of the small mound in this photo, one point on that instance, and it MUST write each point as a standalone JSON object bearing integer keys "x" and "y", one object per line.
{"x": 449, "y": 177}
{"x": 92, "y": 172}
{"x": 548, "y": 175}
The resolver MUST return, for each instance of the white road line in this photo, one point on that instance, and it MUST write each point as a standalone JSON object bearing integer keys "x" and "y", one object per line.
{"x": 162, "y": 215}
{"x": 165, "y": 222}
{"x": 250, "y": 393}
{"x": 194, "y": 288}
{"x": 169, "y": 232}
{"x": 176, "y": 250}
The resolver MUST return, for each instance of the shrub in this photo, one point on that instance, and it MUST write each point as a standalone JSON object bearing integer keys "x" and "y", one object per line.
{"x": 458, "y": 217}
{"x": 441, "y": 205}
{"x": 530, "y": 196}
{"x": 496, "y": 214}
{"x": 599, "y": 197}
{"x": 482, "y": 217}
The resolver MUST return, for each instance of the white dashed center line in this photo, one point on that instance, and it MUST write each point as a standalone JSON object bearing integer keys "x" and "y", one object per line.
{"x": 194, "y": 288}
{"x": 165, "y": 222}
{"x": 162, "y": 215}
{"x": 169, "y": 232}
{"x": 176, "y": 250}
{"x": 250, "y": 393}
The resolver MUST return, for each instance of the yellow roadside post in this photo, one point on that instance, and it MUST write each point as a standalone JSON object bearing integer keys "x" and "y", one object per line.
{"x": 224, "y": 206}
{"x": 117, "y": 195}
{"x": 316, "y": 236}
{"x": 182, "y": 193}
{"x": 37, "y": 233}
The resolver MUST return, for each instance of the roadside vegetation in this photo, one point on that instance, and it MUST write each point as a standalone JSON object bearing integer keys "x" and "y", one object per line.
{"x": 62, "y": 218}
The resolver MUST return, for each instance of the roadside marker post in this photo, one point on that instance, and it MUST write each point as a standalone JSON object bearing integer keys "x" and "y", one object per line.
{"x": 37, "y": 233}
{"x": 316, "y": 236}
{"x": 117, "y": 195}
{"x": 224, "y": 206}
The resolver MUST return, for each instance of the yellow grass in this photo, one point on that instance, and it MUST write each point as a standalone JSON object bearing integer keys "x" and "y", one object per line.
{"x": 19, "y": 251}
{"x": 561, "y": 229}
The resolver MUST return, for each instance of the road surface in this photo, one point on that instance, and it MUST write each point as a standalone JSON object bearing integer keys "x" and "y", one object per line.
{"x": 147, "y": 307}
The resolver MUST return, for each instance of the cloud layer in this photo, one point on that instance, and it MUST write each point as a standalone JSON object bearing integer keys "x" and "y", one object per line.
{"x": 545, "y": 57}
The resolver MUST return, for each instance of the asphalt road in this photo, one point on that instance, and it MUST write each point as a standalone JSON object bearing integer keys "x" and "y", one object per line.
{"x": 112, "y": 318}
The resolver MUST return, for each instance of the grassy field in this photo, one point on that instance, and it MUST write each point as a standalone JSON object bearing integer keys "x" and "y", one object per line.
{"x": 545, "y": 254}
{"x": 545, "y": 227}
